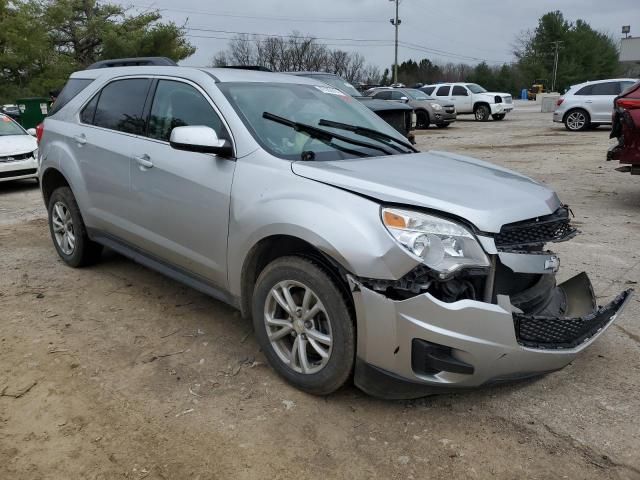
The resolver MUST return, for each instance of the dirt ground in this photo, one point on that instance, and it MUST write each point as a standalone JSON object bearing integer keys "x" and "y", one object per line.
{"x": 117, "y": 372}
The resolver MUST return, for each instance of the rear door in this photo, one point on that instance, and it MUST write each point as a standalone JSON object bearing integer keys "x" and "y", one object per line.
{"x": 601, "y": 98}
{"x": 180, "y": 200}
{"x": 112, "y": 125}
{"x": 461, "y": 98}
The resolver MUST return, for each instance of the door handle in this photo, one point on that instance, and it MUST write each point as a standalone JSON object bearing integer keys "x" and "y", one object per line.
{"x": 144, "y": 161}
{"x": 588, "y": 101}
{"x": 80, "y": 139}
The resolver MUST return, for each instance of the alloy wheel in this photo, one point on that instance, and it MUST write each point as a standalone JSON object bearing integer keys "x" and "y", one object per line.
{"x": 576, "y": 120}
{"x": 298, "y": 327}
{"x": 62, "y": 224}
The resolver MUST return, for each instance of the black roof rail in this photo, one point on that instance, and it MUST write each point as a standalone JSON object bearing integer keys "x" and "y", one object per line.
{"x": 134, "y": 62}
{"x": 258, "y": 68}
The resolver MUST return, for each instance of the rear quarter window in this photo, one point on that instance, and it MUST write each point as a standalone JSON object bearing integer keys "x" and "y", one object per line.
{"x": 73, "y": 87}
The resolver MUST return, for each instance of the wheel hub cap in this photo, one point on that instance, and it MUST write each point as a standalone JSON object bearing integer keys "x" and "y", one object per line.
{"x": 62, "y": 226}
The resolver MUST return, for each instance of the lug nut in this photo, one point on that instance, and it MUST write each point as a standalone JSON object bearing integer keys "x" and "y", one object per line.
{"x": 307, "y": 324}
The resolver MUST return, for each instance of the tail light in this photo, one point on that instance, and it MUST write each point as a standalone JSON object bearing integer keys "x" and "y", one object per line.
{"x": 628, "y": 103}
{"x": 559, "y": 101}
{"x": 39, "y": 131}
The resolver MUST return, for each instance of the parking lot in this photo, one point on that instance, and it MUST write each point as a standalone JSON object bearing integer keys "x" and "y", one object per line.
{"x": 117, "y": 372}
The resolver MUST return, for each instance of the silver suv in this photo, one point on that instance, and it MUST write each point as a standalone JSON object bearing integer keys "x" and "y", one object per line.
{"x": 590, "y": 104}
{"x": 355, "y": 254}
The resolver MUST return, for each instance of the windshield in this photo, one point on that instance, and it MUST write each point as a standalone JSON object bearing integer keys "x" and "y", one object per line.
{"x": 305, "y": 104}
{"x": 9, "y": 127}
{"x": 475, "y": 88}
{"x": 337, "y": 82}
{"x": 416, "y": 94}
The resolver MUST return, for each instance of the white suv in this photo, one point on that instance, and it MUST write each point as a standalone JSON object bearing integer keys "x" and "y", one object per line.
{"x": 472, "y": 98}
{"x": 589, "y": 104}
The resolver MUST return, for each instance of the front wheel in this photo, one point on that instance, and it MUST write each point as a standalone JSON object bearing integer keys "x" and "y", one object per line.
{"x": 422, "y": 120}
{"x": 482, "y": 113}
{"x": 498, "y": 116}
{"x": 303, "y": 325}
{"x": 443, "y": 125}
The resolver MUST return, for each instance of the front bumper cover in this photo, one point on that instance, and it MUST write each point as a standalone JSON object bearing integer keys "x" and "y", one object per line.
{"x": 496, "y": 341}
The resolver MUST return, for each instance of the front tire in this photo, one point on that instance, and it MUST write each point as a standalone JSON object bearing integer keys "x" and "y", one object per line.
{"x": 303, "y": 325}
{"x": 577, "y": 120}
{"x": 498, "y": 117}
{"x": 68, "y": 231}
{"x": 422, "y": 120}
{"x": 482, "y": 113}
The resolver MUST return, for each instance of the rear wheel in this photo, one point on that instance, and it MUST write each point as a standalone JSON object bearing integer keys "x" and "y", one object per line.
{"x": 577, "y": 120}
{"x": 68, "y": 231}
{"x": 498, "y": 116}
{"x": 422, "y": 120}
{"x": 303, "y": 325}
{"x": 482, "y": 113}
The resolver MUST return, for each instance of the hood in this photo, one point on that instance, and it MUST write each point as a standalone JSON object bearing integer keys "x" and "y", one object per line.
{"x": 486, "y": 195}
{"x": 493, "y": 94}
{"x": 382, "y": 105}
{"x": 16, "y": 144}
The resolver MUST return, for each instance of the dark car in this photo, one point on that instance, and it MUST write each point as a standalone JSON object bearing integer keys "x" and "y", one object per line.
{"x": 399, "y": 116}
{"x": 11, "y": 111}
{"x": 626, "y": 128}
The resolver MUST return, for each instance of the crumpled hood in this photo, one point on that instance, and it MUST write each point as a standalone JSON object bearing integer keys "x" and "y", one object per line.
{"x": 16, "y": 144}
{"x": 493, "y": 94}
{"x": 484, "y": 194}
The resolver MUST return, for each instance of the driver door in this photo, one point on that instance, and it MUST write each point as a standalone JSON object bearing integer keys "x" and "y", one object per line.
{"x": 461, "y": 98}
{"x": 181, "y": 199}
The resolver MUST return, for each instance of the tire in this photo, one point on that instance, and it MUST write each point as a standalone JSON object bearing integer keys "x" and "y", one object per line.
{"x": 422, "y": 120}
{"x": 577, "y": 120}
{"x": 333, "y": 321}
{"x": 65, "y": 221}
{"x": 443, "y": 125}
{"x": 498, "y": 116}
{"x": 482, "y": 113}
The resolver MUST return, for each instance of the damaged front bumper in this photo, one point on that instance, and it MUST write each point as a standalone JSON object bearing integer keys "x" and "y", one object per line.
{"x": 421, "y": 345}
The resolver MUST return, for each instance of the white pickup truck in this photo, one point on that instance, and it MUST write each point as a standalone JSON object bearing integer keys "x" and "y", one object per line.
{"x": 472, "y": 98}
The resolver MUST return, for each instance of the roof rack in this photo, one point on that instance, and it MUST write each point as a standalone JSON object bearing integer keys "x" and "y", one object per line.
{"x": 134, "y": 62}
{"x": 258, "y": 68}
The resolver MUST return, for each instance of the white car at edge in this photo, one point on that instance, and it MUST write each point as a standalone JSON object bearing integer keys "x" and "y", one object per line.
{"x": 472, "y": 98}
{"x": 18, "y": 151}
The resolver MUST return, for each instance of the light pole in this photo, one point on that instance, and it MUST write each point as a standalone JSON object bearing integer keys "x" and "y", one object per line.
{"x": 396, "y": 23}
{"x": 557, "y": 44}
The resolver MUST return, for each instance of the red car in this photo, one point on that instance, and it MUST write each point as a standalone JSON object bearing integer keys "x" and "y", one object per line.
{"x": 626, "y": 128}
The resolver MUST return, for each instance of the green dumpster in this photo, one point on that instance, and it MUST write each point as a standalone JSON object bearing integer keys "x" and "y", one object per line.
{"x": 32, "y": 110}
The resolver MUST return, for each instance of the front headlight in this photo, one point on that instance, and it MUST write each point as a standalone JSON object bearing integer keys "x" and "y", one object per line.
{"x": 440, "y": 244}
{"x": 436, "y": 106}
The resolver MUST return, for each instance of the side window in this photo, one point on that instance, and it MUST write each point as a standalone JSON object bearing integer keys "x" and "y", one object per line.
{"x": 625, "y": 85}
{"x": 585, "y": 90}
{"x": 385, "y": 95}
{"x": 177, "y": 104}
{"x": 428, "y": 90}
{"x": 607, "y": 88}
{"x": 460, "y": 91}
{"x": 89, "y": 111}
{"x": 443, "y": 91}
{"x": 397, "y": 95}
{"x": 121, "y": 104}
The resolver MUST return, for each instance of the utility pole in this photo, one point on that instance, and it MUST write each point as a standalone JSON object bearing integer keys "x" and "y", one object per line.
{"x": 557, "y": 44}
{"x": 396, "y": 23}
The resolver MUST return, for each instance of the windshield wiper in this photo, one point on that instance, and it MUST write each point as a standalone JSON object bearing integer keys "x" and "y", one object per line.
{"x": 326, "y": 136}
{"x": 368, "y": 132}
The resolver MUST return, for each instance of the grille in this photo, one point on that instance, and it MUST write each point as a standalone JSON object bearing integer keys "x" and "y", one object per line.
{"x": 450, "y": 109}
{"x": 16, "y": 158}
{"x": 397, "y": 119}
{"x": 508, "y": 99}
{"x": 535, "y": 232}
{"x": 558, "y": 333}
{"x": 18, "y": 173}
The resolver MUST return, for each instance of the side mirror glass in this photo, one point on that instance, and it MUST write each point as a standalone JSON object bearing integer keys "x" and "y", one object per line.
{"x": 404, "y": 99}
{"x": 32, "y": 132}
{"x": 200, "y": 139}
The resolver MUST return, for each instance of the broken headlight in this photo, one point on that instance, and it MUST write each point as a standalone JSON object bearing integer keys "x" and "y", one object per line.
{"x": 440, "y": 244}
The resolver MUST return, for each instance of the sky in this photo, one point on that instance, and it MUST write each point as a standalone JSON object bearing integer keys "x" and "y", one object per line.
{"x": 466, "y": 31}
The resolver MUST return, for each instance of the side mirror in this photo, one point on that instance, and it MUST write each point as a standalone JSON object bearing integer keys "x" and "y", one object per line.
{"x": 200, "y": 139}
{"x": 32, "y": 132}
{"x": 405, "y": 99}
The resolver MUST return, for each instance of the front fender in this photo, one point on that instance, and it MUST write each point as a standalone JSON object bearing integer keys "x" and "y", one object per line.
{"x": 269, "y": 199}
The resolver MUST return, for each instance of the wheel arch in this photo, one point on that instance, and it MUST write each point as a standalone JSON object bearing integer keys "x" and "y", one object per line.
{"x": 481, "y": 102}
{"x": 51, "y": 179}
{"x": 573, "y": 109}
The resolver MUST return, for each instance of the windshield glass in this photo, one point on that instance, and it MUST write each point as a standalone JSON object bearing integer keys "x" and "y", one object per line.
{"x": 475, "y": 88}
{"x": 416, "y": 94}
{"x": 307, "y": 104}
{"x": 9, "y": 127}
{"x": 337, "y": 82}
